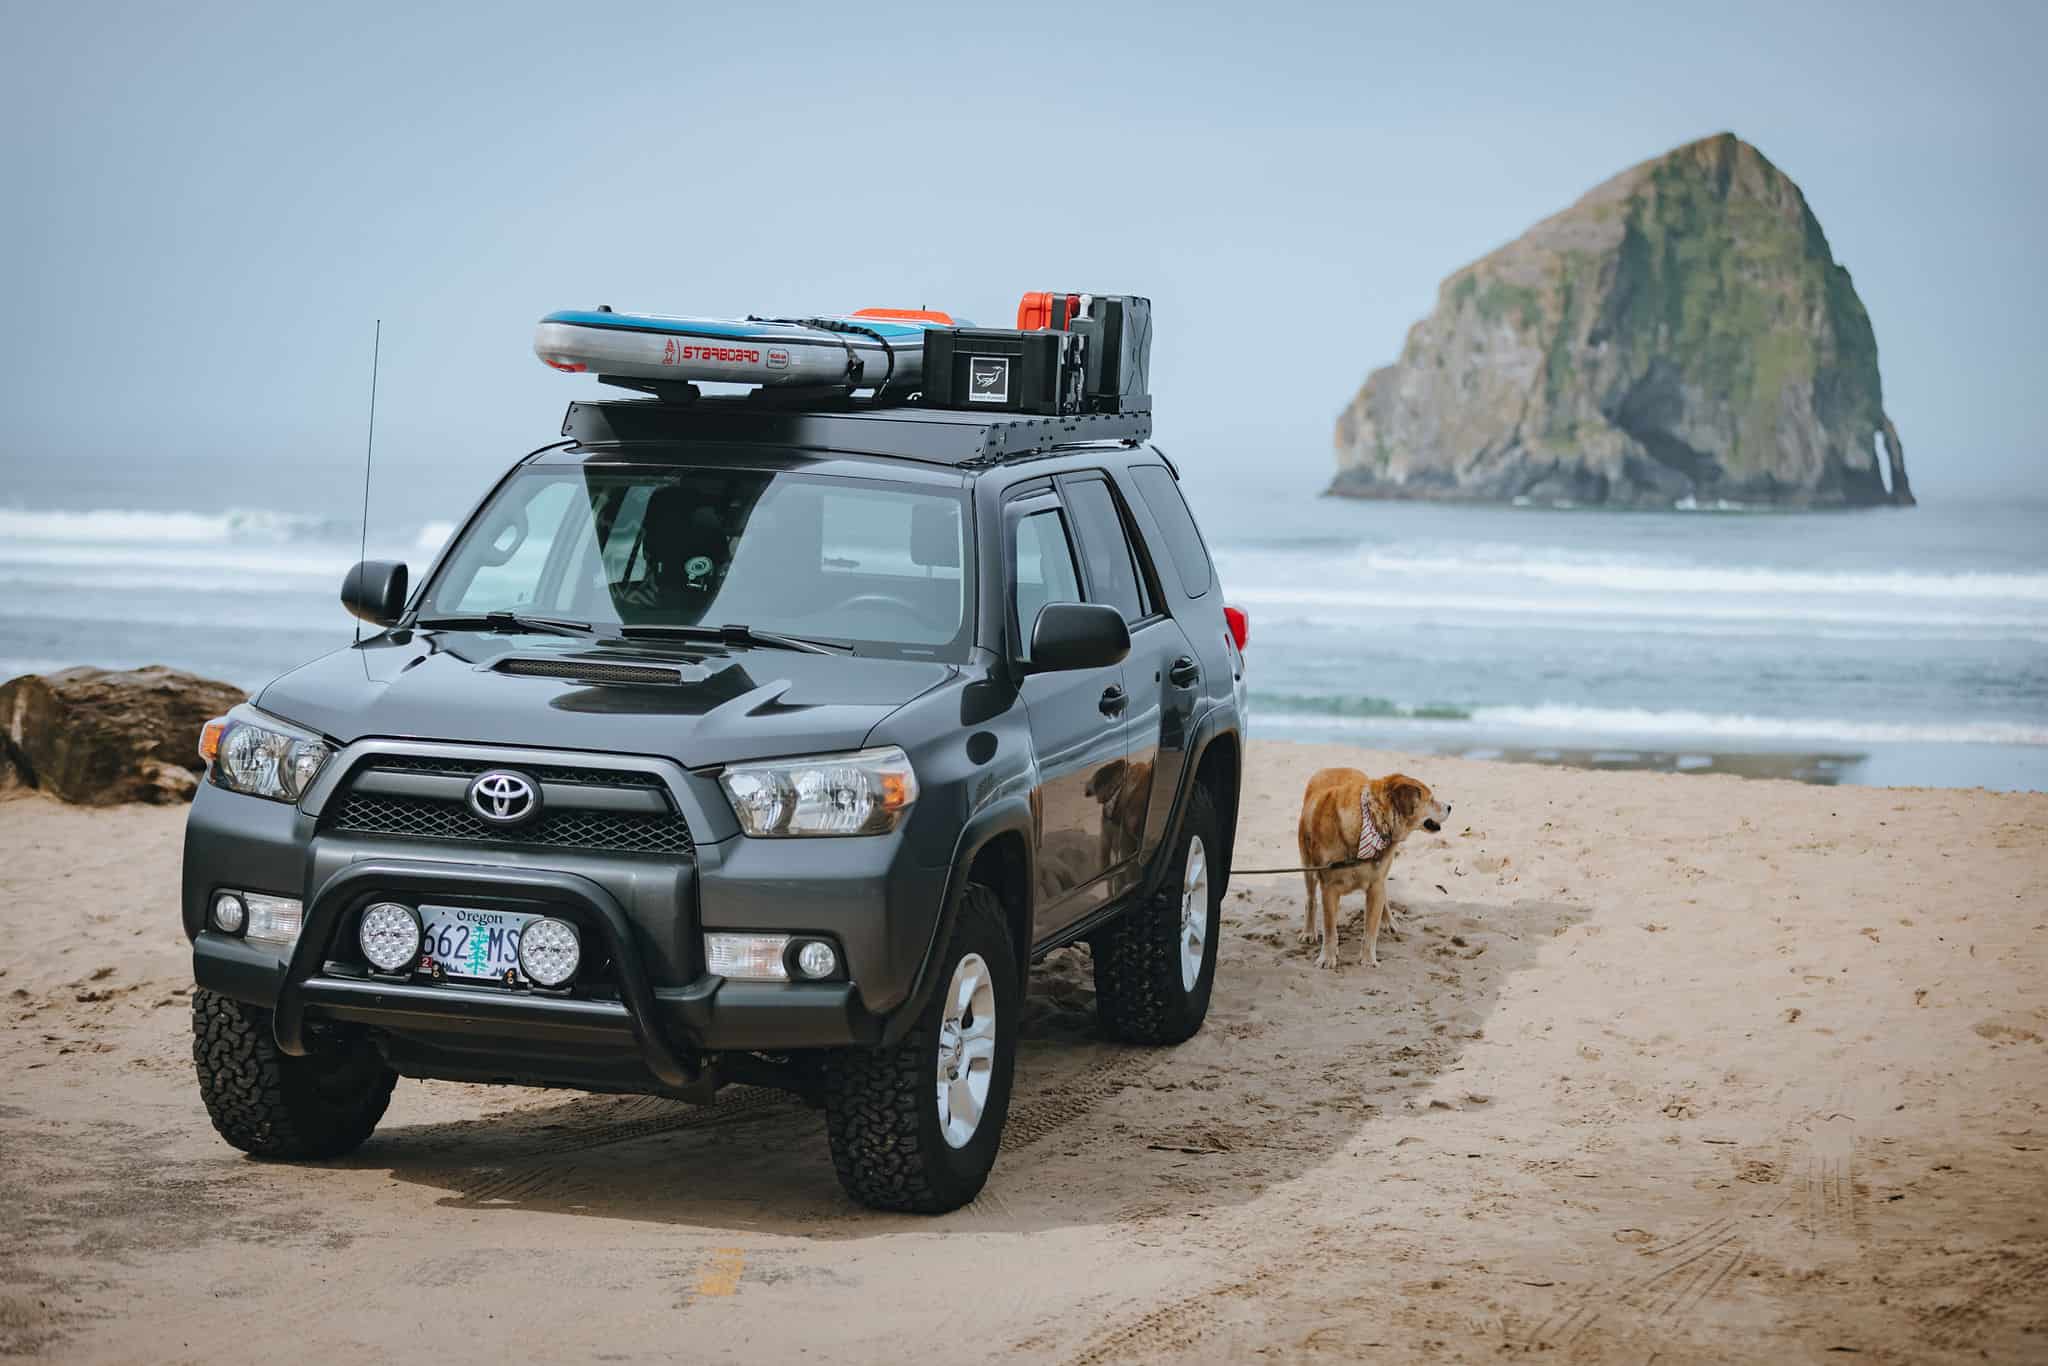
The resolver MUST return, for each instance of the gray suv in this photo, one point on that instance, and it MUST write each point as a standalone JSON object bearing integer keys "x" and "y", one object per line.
{"x": 734, "y": 743}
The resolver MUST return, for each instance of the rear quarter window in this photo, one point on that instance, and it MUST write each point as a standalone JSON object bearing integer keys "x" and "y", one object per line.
{"x": 1161, "y": 492}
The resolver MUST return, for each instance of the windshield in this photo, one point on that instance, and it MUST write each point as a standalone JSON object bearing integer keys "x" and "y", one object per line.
{"x": 872, "y": 565}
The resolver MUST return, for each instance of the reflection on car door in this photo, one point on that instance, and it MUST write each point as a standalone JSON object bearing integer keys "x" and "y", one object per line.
{"x": 1075, "y": 718}
{"x": 1160, "y": 674}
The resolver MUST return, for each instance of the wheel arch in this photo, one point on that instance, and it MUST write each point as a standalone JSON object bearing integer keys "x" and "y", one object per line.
{"x": 1218, "y": 766}
{"x": 995, "y": 848}
{"x": 1002, "y": 863}
{"x": 1221, "y": 770}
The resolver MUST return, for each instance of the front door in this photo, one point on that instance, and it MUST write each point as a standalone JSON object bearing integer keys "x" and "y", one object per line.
{"x": 1076, "y": 726}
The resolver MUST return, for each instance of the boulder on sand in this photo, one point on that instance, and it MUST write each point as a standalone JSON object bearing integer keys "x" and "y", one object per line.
{"x": 100, "y": 737}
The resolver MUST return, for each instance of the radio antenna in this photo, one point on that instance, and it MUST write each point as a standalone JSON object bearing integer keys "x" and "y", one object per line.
{"x": 369, "y": 448}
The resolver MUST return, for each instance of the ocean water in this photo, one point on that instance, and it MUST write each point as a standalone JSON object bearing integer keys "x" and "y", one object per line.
{"x": 1889, "y": 647}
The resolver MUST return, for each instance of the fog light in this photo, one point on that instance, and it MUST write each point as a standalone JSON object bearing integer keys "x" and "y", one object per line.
{"x": 816, "y": 959}
{"x": 549, "y": 951}
{"x": 229, "y": 914}
{"x": 273, "y": 919}
{"x": 748, "y": 957}
{"x": 390, "y": 936}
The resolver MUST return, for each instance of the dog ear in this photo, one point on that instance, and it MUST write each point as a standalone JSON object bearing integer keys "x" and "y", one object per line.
{"x": 1108, "y": 780}
{"x": 1407, "y": 797}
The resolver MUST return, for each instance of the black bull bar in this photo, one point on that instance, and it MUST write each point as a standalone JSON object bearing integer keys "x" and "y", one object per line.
{"x": 355, "y": 886}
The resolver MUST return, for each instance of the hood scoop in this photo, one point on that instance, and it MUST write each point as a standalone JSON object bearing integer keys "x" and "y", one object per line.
{"x": 590, "y": 671}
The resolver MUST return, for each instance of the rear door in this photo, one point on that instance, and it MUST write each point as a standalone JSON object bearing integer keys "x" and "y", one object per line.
{"x": 1171, "y": 548}
{"x": 1076, "y": 722}
{"x": 1162, "y": 673}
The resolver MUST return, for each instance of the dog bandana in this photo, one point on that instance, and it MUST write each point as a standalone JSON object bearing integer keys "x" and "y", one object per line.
{"x": 1370, "y": 840}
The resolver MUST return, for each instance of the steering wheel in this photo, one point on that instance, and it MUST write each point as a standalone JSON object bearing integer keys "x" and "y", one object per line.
{"x": 908, "y": 608}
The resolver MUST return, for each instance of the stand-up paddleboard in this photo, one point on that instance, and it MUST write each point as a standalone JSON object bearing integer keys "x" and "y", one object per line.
{"x": 870, "y": 349}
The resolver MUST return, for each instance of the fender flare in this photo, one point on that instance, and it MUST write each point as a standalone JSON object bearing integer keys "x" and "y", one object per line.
{"x": 1215, "y": 723}
{"x": 1005, "y": 816}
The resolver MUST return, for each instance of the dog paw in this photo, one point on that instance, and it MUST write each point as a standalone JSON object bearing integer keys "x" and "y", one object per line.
{"x": 1326, "y": 960}
{"x": 1305, "y": 936}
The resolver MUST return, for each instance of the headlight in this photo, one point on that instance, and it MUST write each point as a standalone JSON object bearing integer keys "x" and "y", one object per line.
{"x": 832, "y": 794}
{"x": 247, "y": 751}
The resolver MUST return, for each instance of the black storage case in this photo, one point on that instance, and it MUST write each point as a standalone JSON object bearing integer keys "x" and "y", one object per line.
{"x": 1005, "y": 371}
{"x": 1119, "y": 353}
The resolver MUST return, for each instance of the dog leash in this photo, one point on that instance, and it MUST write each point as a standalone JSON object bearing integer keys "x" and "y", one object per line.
{"x": 1371, "y": 844}
{"x": 1311, "y": 868}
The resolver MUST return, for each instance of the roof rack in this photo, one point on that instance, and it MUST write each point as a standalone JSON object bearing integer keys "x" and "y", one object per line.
{"x": 937, "y": 436}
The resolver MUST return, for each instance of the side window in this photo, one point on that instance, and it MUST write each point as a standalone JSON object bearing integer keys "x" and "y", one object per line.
{"x": 1105, "y": 548}
{"x": 1043, "y": 571}
{"x": 1183, "y": 542}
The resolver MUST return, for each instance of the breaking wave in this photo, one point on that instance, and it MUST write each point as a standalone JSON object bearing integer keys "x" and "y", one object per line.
{"x": 1504, "y": 564}
{"x": 118, "y": 526}
{"x": 1639, "y": 723}
{"x": 1363, "y": 708}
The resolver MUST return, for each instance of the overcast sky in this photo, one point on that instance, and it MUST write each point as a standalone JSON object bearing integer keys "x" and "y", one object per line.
{"x": 210, "y": 203}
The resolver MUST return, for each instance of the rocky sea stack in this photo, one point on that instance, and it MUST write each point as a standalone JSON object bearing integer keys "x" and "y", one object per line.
{"x": 1680, "y": 335}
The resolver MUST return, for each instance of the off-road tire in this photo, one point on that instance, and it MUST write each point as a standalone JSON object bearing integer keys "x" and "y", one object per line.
{"x": 881, "y": 1104}
{"x": 1139, "y": 993}
{"x": 271, "y": 1104}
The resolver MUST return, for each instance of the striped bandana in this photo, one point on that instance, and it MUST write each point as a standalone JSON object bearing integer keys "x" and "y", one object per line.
{"x": 1370, "y": 840}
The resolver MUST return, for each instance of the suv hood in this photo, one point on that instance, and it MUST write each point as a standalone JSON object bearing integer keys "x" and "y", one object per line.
{"x": 726, "y": 705}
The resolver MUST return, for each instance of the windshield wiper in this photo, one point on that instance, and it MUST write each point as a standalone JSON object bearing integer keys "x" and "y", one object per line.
{"x": 737, "y": 635}
{"x": 506, "y": 621}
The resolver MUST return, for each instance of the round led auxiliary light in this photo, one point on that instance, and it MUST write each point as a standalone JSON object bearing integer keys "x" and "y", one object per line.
{"x": 816, "y": 959}
{"x": 390, "y": 936}
{"x": 229, "y": 914}
{"x": 549, "y": 951}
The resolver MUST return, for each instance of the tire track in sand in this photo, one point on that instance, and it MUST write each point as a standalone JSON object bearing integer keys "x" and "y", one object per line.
{"x": 1057, "y": 1101}
{"x": 1695, "y": 1267}
{"x": 538, "y": 1167}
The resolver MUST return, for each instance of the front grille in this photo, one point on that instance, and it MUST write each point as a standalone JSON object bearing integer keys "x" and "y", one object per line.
{"x": 562, "y": 824}
{"x": 547, "y": 773}
{"x": 590, "y": 673}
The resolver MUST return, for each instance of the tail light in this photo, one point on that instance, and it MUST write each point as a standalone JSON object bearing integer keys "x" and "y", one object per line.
{"x": 1240, "y": 625}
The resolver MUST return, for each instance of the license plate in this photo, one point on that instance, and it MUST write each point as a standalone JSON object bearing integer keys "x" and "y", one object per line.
{"x": 472, "y": 943}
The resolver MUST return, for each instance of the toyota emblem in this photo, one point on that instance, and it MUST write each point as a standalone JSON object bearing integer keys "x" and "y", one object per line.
{"x": 503, "y": 797}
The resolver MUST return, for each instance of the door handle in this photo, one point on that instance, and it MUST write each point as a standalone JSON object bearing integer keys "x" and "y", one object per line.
{"x": 1185, "y": 673}
{"x": 1113, "y": 700}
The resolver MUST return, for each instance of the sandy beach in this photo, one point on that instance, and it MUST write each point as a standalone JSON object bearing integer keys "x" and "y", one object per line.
{"x": 1671, "y": 1068}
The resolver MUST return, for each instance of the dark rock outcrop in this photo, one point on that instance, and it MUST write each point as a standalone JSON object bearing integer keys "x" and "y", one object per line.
{"x": 13, "y": 781}
{"x": 100, "y": 738}
{"x": 1682, "y": 333}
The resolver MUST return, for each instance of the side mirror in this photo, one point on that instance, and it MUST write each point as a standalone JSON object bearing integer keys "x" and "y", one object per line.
{"x": 375, "y": 591}
{"x": 1078, "y": 635}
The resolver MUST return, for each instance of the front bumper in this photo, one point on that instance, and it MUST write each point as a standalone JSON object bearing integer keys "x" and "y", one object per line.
{"x": 655, "y": 1020}
{"x": 625, "y": 1035}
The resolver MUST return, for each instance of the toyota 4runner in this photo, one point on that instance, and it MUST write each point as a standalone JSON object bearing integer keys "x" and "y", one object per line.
{"x": 734, "y": 743}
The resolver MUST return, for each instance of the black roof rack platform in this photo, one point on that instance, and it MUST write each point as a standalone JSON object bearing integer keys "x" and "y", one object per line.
{"x": 937, "y": 436}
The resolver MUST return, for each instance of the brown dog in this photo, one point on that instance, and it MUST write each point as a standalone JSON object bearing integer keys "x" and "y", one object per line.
{"x": 1123, "y": 788}
{"x": 1334, "y": 810}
